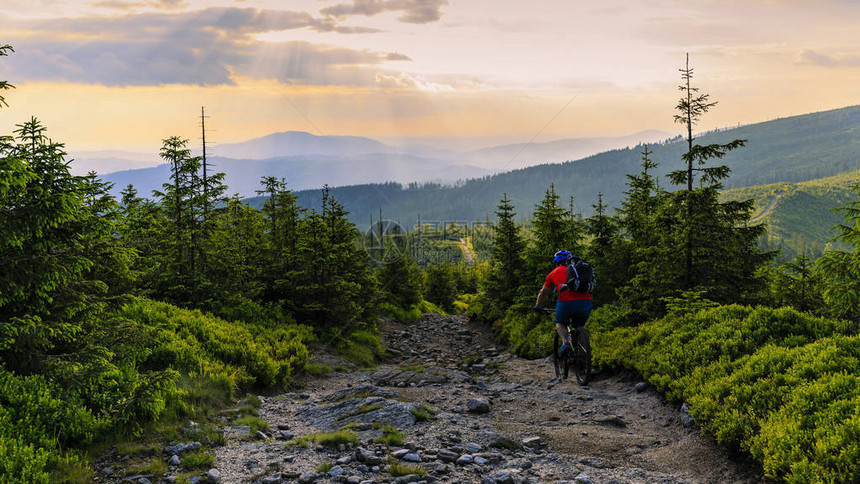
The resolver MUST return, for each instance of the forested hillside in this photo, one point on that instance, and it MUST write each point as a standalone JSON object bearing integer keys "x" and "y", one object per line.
{"x": 800, "y": 217}
{"x": 792, "y": 150}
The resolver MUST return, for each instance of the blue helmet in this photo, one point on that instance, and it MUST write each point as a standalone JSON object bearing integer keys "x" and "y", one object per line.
{"x": 562, "y": 256}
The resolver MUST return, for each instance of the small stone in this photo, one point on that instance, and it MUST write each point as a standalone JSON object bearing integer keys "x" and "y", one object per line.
{"x": 583, "y": 478}
{"x": 640, "y": 387}
{"x": 400, "y": 453}
{"x": 465, "y": 459}
{"x": 412, "y": 457}
{"x": 286, "y": 434}
{"x": 473, "y": 448}
{"x": 283, "y": 427}
{"x": 289, "y": 458}
{"x": 344, "y": 460}
{"x": 304, "y": 395}
{"x": 533, "y": 442}
{"x": 446, "y": 455}
{"x": 502, "y": 477}
{"x": 686, "y": 418}
{"x": 180, "y": 448}
{"x": 307, "y": 478}
{"x": 144, "y": 480}
{"x": 481, "y": 461}
{"x": 478, "y": 405}
{"x": 213, "y": 476}
{"x": 336, "y": 471}
{"x": 174, "y": 460}
{"x": 261, "y": 436}
{"x": 274, "y": 478}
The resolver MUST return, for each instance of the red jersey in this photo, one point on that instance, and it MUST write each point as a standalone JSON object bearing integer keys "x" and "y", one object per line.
{"x": 558, "y": 277}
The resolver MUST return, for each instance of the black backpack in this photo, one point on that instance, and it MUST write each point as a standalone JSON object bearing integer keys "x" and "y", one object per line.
{"x": 580, "y": 276}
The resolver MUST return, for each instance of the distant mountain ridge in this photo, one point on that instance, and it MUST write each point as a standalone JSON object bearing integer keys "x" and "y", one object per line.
{"x": 307, "y": 161}
{"x": 793, "y": 150}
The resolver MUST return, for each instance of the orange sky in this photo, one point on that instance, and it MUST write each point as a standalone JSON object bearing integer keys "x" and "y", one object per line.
{"x": 124, "y": 75}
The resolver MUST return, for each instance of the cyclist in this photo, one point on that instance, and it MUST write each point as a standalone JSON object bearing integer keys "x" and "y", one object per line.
{"x": 572, "y": 307}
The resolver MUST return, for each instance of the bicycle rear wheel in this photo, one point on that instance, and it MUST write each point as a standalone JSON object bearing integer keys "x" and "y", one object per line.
{"x": 556, "y": 360}
{"x": 582, "y": 357}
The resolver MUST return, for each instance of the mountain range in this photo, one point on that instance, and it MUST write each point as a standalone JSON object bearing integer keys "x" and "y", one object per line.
{"x": 791, "y": 150}
{"x": 308, "y": 161}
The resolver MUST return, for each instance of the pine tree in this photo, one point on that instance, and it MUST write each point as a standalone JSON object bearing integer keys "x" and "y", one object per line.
{"x": 508, "y": 263}
{"x": 720, "y": 250}
{"x": 603, "y": 252}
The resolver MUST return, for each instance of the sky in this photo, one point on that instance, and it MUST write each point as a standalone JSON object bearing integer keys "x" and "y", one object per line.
{"x": 111, "y": 74}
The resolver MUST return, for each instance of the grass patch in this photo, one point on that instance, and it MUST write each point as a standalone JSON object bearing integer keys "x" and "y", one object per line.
{"x": 334, "y": 439}
{"x": 391, "y": 437}
{"x": 317, "y": 369}
{"x": 368, "y": 408}
{"x": 415, "y": 368}
{"x": 156, "y": 467}
{"x": 256, "y": 423}
{"x": 252, "y": 400}
{"x": 324, "y": 466}
{"x": 301, "y": 442}
{"x": 422, "y": 412}
{"x": 197, "y": 460}
{"x": 472, "y": 360}
{"x": 134, "y": 448}
{"x": 399, "y": 469}
{"x": 506, "y": 443}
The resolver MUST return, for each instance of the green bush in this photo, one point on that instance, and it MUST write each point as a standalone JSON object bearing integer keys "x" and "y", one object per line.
{"x": 780, "y": 384}
{"x": 205, "y": 346}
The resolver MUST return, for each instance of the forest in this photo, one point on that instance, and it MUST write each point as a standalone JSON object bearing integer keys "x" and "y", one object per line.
{"x": 123, "y": 319}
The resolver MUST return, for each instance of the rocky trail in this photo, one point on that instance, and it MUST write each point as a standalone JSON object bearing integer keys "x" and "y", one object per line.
{"x": 455, "y": 408}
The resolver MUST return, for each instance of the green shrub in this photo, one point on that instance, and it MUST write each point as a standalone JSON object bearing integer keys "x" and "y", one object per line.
{"x": 324, "y": 466}
{"x": 780, "y": 384}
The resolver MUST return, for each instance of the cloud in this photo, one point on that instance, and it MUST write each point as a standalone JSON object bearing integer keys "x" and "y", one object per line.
{"x": 396, "y": 56}
{"x": 414, "y": 11}
{"x": 125, "y": 5}
{"x": 206, "y": 47}
{"x": 815, "y": 58}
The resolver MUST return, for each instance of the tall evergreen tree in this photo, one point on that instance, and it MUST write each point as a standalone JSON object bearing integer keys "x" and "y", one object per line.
{"x": 721, "y": 254}
{"x": 604, "y": 252}
{"x": 508, "y": 262}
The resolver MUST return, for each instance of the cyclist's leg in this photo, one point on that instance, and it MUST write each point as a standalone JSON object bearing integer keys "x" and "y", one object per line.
{"x": 562, "y": 317}
{"x": 578, "y": 313}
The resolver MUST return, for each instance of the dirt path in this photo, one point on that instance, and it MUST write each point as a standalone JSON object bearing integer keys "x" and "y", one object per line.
{"x": 504, "y": 417}
{"x": 768, "y": 208}
{"x": 467, "y": 254}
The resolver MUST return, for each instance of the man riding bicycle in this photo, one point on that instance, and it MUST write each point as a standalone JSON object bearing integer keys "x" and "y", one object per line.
{"x": 572, "y": 308}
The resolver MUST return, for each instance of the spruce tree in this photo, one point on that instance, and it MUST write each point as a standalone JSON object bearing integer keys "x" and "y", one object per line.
{"x": 721, "y": 254}
{"x": 604, "y": 252}
{"x": 508, "y": 262}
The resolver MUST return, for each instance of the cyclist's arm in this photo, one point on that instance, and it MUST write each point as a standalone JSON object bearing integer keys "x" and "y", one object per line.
{"x": 542, "y": 295}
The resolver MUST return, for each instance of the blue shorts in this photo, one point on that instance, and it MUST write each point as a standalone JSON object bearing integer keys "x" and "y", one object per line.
{"x": 573, "y": 313}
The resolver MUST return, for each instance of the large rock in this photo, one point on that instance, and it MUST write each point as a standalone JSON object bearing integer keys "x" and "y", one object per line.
{"x": 181, "y": 448}
{"x": 336, "y": 415}
{"x": 478, "y": 405}
{"x": 213, "y": 476}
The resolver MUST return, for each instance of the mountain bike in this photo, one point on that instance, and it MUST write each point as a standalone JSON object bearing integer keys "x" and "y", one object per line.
{"x": 578, "y": 357}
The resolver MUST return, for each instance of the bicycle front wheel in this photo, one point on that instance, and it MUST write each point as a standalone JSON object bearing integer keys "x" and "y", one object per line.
{"x": 582, "y": 358}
